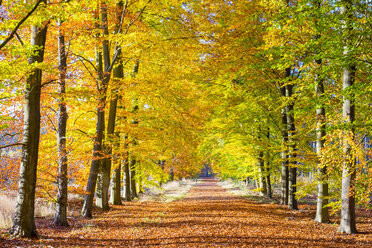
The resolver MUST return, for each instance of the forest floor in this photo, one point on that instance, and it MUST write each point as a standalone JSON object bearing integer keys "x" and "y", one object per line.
{"x": 208, "y": 216}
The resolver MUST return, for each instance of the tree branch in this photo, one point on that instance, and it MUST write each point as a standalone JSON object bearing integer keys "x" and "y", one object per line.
{"x": 10, "y": 145}
{"x": 10, "y": 37}
{"x": 138, "y": 16}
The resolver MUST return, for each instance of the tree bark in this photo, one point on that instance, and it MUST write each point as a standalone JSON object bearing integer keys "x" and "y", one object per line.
{"x": 96, "y": 160}
{"x": 97, "y": 146}
{"x": 348, "y": 218}
{"x": 60, "y": 217}
{"x": 102, "y": 199}
{"x": 292, "y": 158}
{"x": 269, "y": 193}
{"x": 322, "y": 200}
{"x": 118, "y": 73}
{"x": 127, "y": 195}
{"x": 322, "y": 215}
{"x": 116, "y": 179}
{"x": 23, "y": 220}
{"x": 262, "y": 172}
{"x": 133, "y": 187}
{"x": 132, "y": 160}
{"x": 284, "y": 153}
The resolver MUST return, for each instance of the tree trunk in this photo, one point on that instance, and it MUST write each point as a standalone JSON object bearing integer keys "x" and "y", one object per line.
{"x": 127, "y": 195}
{"x": 284, "y": 169}
{"x": 118, "y": 73}
{"x": 133, "y": 187}
{"x": 115, "y": 196}
{"x": 322, "y": 215}
{"x": 96, "y": 160}
{"x": 269, "y": 193}
{"x": 103, "y": 183}
{"x": 23, "y": 220}
{"x": 104, "y": 177}
{"x": 348, "y": 222}
{"x": 321, "y": 209}
{"x": 115, "y": 189}
{"x": 60, "y": 217}
{"x": 292, "y": 158}
{"x": 97, "y": 146}
{"x": 262, "y": 176}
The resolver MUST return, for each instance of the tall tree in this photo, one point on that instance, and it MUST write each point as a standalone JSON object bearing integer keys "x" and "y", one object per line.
{"x": 118, "y": 74}
{"x": 292, "y": 156}
{"x": 268, "y": 179}
{"x": 284, "y": 152}
{"x": 116, "y": 176}
{"x": 23, "y": 221}
{"x": 348, "y": 222}
{"x": 132, "y": 157}
{"x": 60, "y": 217}
{"x": 322, "y": 215}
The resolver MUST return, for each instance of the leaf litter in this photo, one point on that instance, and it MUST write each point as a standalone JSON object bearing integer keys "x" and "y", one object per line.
{"x": 208, "y": 216}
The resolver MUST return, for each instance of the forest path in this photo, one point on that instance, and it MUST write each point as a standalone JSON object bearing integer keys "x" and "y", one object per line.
{"x": 208, "y": 216}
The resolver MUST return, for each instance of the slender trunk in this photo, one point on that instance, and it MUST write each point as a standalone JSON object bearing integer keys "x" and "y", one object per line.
{"x": 104, "y": 175}
{"x": 96, "y": 160}
{"x": 133, "y": 187}
{"x": 60, "y": 217}
{"x": 127, "y": 195}
{"x": 140, "y": 178}
{"x": 23, "y": 220}
{"x": 284, "y": 169}
{"x": 161, "y": 163}
{"x": 132, "y": 160}
{"x": 118, "y": 74}
{"x": 115, "y": 189}
{"x": 322, "y": 200}
{"x": 348, "y": 218}
{"x": 97, "y": 146}
{"x": 171, "y": 174}
{"x": 268, "y": 180}
{"x": 292, "y": 158}
{"x": 262, "y": 176}
{"x": 348, "y": 223}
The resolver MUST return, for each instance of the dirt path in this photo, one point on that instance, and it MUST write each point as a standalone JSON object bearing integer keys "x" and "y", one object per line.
{"x": 207, "y": 217}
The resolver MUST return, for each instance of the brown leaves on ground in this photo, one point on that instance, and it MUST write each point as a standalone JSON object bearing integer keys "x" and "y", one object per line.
{"x": 208, "y": 217}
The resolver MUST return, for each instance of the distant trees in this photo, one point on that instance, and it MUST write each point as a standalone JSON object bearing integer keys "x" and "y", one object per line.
{"x": 292, "y": 57}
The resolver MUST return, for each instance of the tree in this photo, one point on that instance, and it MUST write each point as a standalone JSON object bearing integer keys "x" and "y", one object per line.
{"x": 60, "y": 217}
{"x": 348, "y": 222}
{"x": 23, "y": 221}
{"x": 322, "y": 214}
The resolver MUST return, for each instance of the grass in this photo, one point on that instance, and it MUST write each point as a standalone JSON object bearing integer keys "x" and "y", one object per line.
{"x": 8, "y": 205}
{"x": 236, "y": 187}
{"x": 170, "y": 191}
{"x": 239, "y": 188}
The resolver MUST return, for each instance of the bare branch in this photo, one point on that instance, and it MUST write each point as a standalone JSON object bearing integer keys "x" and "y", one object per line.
{"x": 49, "y": 82}
{"x": 11, "y": 145}
{"x": 138, "y": 16}
{"x": 10, "y": 37}
{"x": 19, "y": 39}
{"x": 9, "y": 135}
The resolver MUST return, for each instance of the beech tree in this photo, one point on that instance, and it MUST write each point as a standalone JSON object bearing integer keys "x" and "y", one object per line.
{"x": 348, "y": 219}
{"x": 23, "y": 221}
